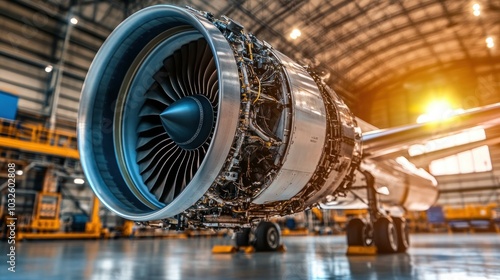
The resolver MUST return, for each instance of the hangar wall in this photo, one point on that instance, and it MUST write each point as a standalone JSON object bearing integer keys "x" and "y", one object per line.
{"x": 475, "y": 188}
{"x": 34, "y": 36}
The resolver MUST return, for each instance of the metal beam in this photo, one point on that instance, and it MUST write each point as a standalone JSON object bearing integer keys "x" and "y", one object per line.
{"x": 419, "y": 33}
{"x": 390, "y": 75}
{"x": 294, "y": 49}
{"x": 279, "y": 16}
{"x": 50, "y": 31}
{"x": 325, "y": 30}
{"x": 368, "y": 86}
{"x": 331, "y": 9}
{"x": 452, "y": 24}
{"x": 379, "y": 62}
{"x": 6, "y": 142}
{"x": 34, "y": 7}
{"x": 55, "y": 83}
{"x": 489, "y": 51}
{"x": 368, "y": 25}
{"x": 385, "y": 35}
{"x": 400, "y": 79}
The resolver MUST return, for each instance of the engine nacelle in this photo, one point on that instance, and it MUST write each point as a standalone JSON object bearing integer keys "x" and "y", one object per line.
{"x": 190, "y": 116}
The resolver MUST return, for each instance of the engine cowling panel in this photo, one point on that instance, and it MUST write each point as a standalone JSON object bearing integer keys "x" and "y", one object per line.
{"x": 190, "y": 116}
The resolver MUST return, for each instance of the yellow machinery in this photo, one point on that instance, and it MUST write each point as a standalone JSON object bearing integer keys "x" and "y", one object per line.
{"x": 37, "y": 139}
{"x": 339, "y": 218}
{"x": 46, "y": 216}
{"x": 317, "y": 212}
{"x": 472, "y": 217}
{"x": 43, "y": 227}
{"x": 45, "y": 222}
{"x": 127, "y": 230}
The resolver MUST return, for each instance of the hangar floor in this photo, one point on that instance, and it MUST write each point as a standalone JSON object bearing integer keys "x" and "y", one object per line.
{"x": 432, "y": 256}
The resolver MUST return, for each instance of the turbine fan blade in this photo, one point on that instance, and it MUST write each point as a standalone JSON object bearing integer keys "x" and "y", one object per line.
{"x": 167, "y": 168}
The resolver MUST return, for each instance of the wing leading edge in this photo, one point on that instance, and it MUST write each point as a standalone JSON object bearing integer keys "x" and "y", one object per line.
{"x": 383, "y": 142}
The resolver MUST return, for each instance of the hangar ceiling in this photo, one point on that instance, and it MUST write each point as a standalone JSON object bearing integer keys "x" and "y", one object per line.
{"x": 372, "y": 50}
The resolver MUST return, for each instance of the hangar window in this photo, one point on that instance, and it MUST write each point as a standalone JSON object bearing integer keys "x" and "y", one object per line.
{"x": 475, "y": 160}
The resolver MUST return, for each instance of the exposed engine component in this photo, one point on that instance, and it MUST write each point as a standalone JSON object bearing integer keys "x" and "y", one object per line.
{"x": 192, "y": 119}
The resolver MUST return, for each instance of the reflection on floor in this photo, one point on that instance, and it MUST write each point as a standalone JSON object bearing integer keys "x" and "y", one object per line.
{"x": 457, "y": 256}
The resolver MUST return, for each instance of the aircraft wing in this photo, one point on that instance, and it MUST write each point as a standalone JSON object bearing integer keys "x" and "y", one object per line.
{"x": 384, "y": 142}
{"x": 386, "y": 150}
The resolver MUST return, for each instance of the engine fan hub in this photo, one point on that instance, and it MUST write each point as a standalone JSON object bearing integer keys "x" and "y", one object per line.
{"x": 188, "y": 121}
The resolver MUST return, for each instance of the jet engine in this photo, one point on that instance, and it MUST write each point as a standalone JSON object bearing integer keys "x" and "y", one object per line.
{"x": 189, "y": 118}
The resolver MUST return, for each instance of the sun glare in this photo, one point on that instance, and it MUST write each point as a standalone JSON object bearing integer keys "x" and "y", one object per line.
{"x": 438, "y": 110}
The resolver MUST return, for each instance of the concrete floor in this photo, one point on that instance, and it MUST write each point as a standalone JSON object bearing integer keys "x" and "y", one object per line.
{"x": 432, "y": 256}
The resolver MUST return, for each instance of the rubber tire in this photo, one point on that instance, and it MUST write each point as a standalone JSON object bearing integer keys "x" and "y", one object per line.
{"x": 354, "y": 232}
{"x": 267, "y": 237}
{"x": 403, "y": 234}
{"x": 385, "y": 236}
{"x": 243, "y": 237}
{"x": 357, "y": 233}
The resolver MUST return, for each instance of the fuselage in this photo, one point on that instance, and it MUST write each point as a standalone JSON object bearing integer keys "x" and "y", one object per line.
{"x": 398, "y": 182}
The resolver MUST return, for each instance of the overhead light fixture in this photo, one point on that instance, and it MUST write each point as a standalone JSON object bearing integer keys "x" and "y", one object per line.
{"x": 49, "y": 68}
{"x": 79, "y": 181}
{"x": 489, "y": 42}
{"x": 73, "y": 20}
{"x": 19, "y": 172}
{"x": 476, "y": 9}
{"x": 295, "y": 33}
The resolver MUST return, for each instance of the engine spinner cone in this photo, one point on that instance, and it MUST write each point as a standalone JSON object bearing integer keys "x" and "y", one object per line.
{"x": 188, "y": 121}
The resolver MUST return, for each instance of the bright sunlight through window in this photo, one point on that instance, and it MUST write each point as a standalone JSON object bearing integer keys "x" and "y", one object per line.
{"x": 475, "y": 160}
{"x": 438, "y": 110}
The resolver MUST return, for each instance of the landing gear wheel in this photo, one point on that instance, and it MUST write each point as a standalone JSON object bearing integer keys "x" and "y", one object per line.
{"x": 243, "y": 237}
{"x": 267, "y": 237}
{"x": 358, "y": 233}
{"x": 403, "y": 234}
{"x": 385, "y": 235}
